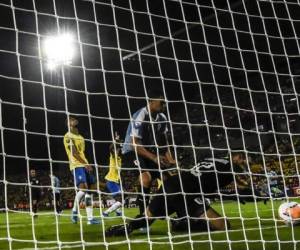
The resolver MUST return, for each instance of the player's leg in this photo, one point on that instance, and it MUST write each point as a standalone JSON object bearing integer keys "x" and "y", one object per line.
{"x": 34, "y": 207}
{"x": 210, "y": 219}
{"x": 143, "y": 189}
{"x": 57, "y": 203}
{"x": 261, "y": 196}
{"x": 156, "y": 208}
{"x": 150, "y": 173}
{"x": 115, "y": 190}
{"x": 35, "y": 194}
{"x": 91, "y": 182}
{"x": 81, "y": 184}
{"x": 160, "y": 206}
{"x": 197, "y": 215}
{"x": 216, "y": 221}
{"x": 136, "y": 163}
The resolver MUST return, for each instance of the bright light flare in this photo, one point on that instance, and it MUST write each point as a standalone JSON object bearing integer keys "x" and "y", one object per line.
{"x": 59, "y": 50}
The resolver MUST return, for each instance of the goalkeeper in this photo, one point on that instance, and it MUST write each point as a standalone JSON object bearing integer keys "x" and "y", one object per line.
{"x": 183, "y": 193}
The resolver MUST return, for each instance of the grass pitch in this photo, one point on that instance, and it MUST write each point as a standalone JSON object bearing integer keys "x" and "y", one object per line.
{"x": 252, "y": 227}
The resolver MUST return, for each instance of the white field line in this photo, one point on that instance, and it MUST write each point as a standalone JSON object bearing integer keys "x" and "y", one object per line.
{"x": 228, "y": 213}
{"x": 72, "y": 246}
{"x": 29, "y": 225}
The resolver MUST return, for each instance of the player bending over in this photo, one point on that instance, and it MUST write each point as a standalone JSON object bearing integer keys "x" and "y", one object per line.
{"x": 147, "y": 129}
{"x": 183, "y": 193}
{"x": 113, "y": 178}
{"x": 83, "y": 172}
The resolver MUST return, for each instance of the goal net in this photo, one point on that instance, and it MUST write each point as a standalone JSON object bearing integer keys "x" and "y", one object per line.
{"x": 228, "y": 72}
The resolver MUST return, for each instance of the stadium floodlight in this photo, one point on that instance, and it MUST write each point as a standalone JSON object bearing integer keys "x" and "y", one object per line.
{"x": 59, "y": 50}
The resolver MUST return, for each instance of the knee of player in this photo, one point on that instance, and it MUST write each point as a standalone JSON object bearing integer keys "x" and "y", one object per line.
{"x": 83, "y": 187}
{"x": 88, "y": 200}
{"x": 145, "y": 179}
{"x": 93, "y": 187}
{"x": 118, "y": 198}
{"x": 220, "y": 224}
{"x": 148, "y": 213}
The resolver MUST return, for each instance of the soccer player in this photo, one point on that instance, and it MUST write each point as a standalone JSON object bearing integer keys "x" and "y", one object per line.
{"x": 55, "y": 183}
{"x": 183, "y": 193}
{"x": 113, "y": 178}
{"x": 147, "y": 129}
{"x": 36, "y": 191}
{"x": 83, "y": 172}
{"x": 273, "y": 183}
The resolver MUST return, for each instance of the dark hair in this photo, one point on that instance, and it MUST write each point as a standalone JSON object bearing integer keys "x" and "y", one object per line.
{"x": 70, "y": 118}
{"x": 32, "y": 169}
{"x": 240, "y": 153}
{"x": 155, "y": 94}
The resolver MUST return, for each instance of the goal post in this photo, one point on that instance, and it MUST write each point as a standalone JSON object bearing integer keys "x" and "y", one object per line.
{"x": 228, "y": 75}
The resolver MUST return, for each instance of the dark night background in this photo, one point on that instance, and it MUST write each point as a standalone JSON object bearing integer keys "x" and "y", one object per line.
{"x": 226, "y": 67}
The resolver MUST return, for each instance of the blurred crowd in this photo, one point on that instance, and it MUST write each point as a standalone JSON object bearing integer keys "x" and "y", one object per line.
{"x": 262, "y": 171}
{"x": 272, "y": 143}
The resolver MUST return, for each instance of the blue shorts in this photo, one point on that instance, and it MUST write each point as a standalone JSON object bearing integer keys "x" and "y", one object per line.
{"x": 81, "y": 175}
{"x": 113, "y": 187}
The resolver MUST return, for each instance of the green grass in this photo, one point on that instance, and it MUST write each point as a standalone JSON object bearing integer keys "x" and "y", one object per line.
{"x": 257, "y": 234}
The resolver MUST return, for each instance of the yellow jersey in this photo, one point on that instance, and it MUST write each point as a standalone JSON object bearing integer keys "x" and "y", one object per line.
{"x": 114, "y": 166}
{"x": 159, "y": 183}
{"x": 76, "y": 140}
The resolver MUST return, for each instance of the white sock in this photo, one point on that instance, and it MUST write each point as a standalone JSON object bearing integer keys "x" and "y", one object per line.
{"x": 113, "y": 207}
{"x": 77, "y": 200}
{"x": 89, "y": 206}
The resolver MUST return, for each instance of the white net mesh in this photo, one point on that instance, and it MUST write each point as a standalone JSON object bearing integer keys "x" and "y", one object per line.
{"x": 229, "y": 74}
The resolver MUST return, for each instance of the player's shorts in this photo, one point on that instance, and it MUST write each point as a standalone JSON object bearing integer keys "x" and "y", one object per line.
{"x": 174, "y": 201}
{"x": 113, "y": 188}
{"x": 57, "y": 197}
{"x": 81, "y": 175}
{"x": 35, "y": 194}
{"x": 132, "y": 161}
{"x": 190, "y": 205}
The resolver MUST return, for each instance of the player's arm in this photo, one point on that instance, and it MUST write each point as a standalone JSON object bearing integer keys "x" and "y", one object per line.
{"x": 26, "y": 191}
{"x": 168, "y": 153}
{"x": 169, "y": 157}
{"x": 137, "y": 135}
{"x": 111, "y": 148}
{"x": 241, "y": 181}
{"x": 74, "y": 152}
{"x": 142, "y": 151}
{"x": 242, "y": 177}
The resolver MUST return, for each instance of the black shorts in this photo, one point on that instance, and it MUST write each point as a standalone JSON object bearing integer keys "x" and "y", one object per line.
{"x": 35, "y": 195}
{"x": 138, "y": 163}
{"x": 57, "y": 197}
{"x": 175, "y": 201}
{"x": 190, "y": 205}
